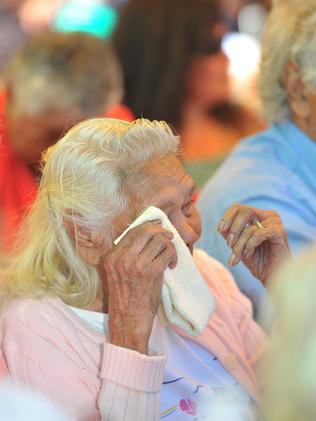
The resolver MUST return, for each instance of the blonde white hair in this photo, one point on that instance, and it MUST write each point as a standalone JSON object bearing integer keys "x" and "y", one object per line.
{"x": 289, "y": 35}
{"x": 84, "y": 180}
{"x": 290, "y": 369}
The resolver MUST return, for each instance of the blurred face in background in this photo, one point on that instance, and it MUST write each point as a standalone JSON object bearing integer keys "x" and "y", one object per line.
{"x": 11, "y": 4}
{"x": 31, "y": 135}
{"x": 208, "y": 81}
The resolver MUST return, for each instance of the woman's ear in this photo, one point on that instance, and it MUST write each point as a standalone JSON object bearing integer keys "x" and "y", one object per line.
{"x": 89, "y": 244}
{"x": 296, "y": 90}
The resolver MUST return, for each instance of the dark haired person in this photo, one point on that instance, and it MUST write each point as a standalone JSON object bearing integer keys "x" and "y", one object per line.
{"x": 174, "y": 69}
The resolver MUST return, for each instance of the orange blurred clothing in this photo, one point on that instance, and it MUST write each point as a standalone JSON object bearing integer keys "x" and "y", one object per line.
{"x": 18, "y": 185}
{"x": 122, "y": 112}
{"x": 207, "y": 137}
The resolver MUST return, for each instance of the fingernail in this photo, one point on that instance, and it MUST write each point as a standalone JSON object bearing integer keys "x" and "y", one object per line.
{"x": 233, "y": 260}
{"x": 173, "y": 264}
{"x": 226, "y": 225}
{"x": 230, "y": 240}
{"x": 220, "y": 226}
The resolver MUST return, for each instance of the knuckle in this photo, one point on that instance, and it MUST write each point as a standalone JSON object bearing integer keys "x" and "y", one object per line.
{"x": 148, "y": 230}
{"x": 245, "y": 210}
{"x": 236, "y": 206}
{"x": 140, "y": 269}
{"x": 231, "y": 211}
{"x": 123, "y": 267}
{"x": 164, "y": 241}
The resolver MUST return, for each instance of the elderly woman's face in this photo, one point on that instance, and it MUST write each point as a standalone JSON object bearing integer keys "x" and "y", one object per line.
{"x": 167, "y": 186}
{"x": 301, "y": 100}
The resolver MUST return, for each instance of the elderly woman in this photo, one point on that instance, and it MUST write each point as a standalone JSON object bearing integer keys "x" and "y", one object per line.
{"x": 79, "y": 312}
{"x": 274, "y": 169}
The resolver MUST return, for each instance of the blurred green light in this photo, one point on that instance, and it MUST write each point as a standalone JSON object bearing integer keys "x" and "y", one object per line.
{"x": 86, "y": 16}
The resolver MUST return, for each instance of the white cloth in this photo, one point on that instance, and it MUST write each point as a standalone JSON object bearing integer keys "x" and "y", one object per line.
{"x": 186, "y": 299}
{"x": 196, "y": 386}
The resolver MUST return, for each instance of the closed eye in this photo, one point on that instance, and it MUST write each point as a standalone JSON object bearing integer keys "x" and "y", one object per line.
{"x": 187, "y": 206}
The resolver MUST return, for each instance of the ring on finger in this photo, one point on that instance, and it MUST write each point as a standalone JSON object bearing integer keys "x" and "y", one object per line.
{"x": 258, "y": 224}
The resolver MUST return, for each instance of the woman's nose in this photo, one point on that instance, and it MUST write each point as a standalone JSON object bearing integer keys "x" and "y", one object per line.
{"x": 187, "y": 233}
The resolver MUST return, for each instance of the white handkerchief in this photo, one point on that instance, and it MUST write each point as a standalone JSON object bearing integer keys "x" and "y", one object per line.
{"x": 187, "y": 301}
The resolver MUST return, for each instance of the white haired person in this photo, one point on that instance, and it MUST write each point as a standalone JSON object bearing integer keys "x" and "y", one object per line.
{"x": 54, "y": 81}
{"x": 79, "y": 309}
{"x": 274, "y": 169}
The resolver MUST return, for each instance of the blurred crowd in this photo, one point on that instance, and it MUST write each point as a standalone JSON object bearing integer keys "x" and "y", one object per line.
{"x": 85, "y": 89}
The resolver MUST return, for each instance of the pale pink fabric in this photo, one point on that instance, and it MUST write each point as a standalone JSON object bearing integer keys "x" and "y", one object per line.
{"x": 49, "y": 348}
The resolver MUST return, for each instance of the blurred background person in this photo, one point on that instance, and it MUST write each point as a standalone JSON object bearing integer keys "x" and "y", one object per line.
{"x": 12, "y": 34}
{"x": 20, "y": 19}
{"x": 290, "y": 368}
{"x": 94, "y": 16}
{"x": 54, "y": 81}
{"x": 174, "y": 69}
{"x": 38, "y": 15}
{"x": 274, "y": 169}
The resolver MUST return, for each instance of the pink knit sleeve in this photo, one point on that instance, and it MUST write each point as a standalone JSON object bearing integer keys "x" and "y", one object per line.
{"x": 49, "y": 358}
{"x": 131, "y": 385}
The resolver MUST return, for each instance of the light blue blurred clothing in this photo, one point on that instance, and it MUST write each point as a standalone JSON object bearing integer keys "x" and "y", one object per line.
{"x": 272, "y": 170}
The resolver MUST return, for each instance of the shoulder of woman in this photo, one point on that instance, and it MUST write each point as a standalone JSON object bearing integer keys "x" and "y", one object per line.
{"x": 31, "y": 312}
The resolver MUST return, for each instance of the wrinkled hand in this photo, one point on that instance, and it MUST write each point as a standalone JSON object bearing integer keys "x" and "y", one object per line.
{"x": 257, "y": 238}
{"x": 135, "y": 269}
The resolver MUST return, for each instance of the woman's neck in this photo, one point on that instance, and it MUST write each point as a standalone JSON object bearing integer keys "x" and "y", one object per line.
{"x": 307, "y": 126}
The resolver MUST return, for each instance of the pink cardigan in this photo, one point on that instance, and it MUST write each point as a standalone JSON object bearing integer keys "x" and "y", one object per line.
{"x": 49, "y": 348}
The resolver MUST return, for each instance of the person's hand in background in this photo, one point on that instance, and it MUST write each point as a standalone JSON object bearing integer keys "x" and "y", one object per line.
{"x": 256, "y": 237}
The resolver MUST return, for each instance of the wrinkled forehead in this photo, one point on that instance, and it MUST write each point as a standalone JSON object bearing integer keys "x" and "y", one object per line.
{"x": 163, "y": 179}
